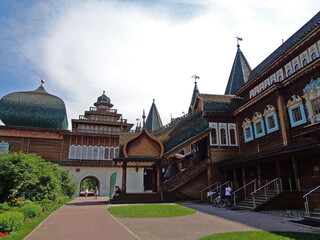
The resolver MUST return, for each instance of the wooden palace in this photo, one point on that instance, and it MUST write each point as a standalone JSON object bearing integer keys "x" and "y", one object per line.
{"x": 261, "y": 137}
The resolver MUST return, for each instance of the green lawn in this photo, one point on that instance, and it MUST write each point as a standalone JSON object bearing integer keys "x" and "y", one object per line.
{"x": 262, "y": 235}
{"x": 151, "y": 210}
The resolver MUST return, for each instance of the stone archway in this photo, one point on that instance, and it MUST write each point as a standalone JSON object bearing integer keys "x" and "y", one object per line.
{"x": 89, "y": 182}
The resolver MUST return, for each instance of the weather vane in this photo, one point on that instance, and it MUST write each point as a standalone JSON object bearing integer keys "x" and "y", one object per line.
{"x": 195, "y": 78}
{"x": 238, "y": 39}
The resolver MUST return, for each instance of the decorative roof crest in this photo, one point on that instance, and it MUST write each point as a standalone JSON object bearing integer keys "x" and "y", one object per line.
{"x": 270, "y": 109}
{"x": 246, "y": 122}
{"x": 294, "y": 101}
{"x": 257, "y": 117}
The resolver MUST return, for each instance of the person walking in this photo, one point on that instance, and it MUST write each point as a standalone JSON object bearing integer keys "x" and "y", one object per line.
{"x": 96, "y": 192}
{"x": 86, "y": 191}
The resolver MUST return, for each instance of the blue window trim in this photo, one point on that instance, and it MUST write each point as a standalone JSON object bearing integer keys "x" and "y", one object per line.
{"x": 255, "y": 129}
{"x": 245, "y": 136}
{"x": 303, "y": 114}
{"x": 270, "y": 130}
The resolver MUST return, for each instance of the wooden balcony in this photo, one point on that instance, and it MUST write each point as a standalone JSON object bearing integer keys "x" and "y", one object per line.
{"x": 102, "y": 119}
{"x": 95, "y": 109}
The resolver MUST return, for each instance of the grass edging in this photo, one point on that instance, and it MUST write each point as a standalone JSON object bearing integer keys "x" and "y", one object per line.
{"x": 150, "y": 210}
{"x": 29, "y": 226}
{"x": 262, "y": 235}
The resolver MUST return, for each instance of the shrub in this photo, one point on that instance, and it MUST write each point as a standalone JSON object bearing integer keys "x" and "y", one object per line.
{"x": 22, "y": 203}
{"x": 10, "y": 221}
{"x": 4, "y": 206}
{"x": 63, "y": 199}
{"x": 31, "y": 210}
{"x": 47, "y": 204}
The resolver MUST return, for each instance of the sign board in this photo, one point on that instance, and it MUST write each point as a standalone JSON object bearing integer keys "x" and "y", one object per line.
{"x": 4, "y": 147}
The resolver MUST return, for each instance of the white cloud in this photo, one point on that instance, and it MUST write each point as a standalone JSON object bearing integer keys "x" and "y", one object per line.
{"x": 140, "y": 52}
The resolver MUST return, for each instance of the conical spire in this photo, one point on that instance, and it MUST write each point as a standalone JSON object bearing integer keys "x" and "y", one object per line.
{"x": 195, "y": 92}
{"x": 153, "y": 120}
{"x": 239, "y": 73}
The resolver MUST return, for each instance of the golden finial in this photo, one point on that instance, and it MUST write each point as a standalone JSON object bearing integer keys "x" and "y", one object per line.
{"x": 42, "y": 80}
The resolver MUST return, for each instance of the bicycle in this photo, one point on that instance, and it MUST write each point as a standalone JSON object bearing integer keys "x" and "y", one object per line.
{"x": 218, "y": 201}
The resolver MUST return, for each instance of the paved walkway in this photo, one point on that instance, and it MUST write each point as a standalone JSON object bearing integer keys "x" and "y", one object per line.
{"x": 81, "y": 219}
{"x": 207, "y": 221}
{"x": 88, "y": 219}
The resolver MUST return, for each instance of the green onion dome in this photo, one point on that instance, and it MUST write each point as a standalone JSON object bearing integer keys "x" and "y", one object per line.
{"x": 103, "y": 98}
{"x": 37, "y": 109}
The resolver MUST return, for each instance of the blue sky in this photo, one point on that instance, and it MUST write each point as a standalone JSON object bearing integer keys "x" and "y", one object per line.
{"x": 137, "y": 50}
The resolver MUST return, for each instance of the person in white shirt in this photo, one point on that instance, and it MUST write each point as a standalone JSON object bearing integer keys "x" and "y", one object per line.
{"x": 228, "y": 195}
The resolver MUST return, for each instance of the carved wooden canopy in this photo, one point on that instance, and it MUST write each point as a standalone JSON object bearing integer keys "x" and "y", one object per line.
{"x": 143, "y": 144}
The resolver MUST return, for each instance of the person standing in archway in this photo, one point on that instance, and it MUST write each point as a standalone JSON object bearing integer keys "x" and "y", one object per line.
{"x": 96, "y": 192}
{"x": 86, "y": 191}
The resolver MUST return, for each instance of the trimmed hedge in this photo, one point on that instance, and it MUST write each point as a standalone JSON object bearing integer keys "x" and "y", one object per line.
{"x": 10, "y": 221}
{"x": 31, "y": 210}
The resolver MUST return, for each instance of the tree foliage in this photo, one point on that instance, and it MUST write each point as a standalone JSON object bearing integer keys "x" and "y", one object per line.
{"x": 30, "y": 176}
{"x": 88, "y": 183}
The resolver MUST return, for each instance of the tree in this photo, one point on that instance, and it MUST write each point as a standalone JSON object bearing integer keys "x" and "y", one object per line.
{"x": 30, "y": 176}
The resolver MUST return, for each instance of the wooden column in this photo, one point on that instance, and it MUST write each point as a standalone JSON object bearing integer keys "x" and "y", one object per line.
{"x": 209, "y": 173}
{"x": 284, "y": 120}
{"x": 279, "y": 173}
{"x": 295, "y": 173}
{"x": 154, "y": 182}
{"x": 235, "y": 177}
{"x": 124, "y": 177}
{"x": 158, "y": 178}
{"x": 259, "y": 174}
{"x": 243, "y": 175}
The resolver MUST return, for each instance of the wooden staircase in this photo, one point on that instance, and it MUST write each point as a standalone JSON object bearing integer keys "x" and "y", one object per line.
{"x": 314, "y": 215}
{"x": 185, "y": 176}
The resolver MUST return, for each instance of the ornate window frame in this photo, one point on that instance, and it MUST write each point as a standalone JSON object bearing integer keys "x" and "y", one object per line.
{"x": 313, "y": 52}
{"x": 223, "y": 126}
{"x": 261, "y": 86}
{"x": 247, "y": 125}
{"x": 267, "y": 83}
{"x": 280, "y": 77}
{"x": 257, "y": 118}
{"x": 270, "y": 112}
{"x": 295, "y": 102}
{"x": 232, "y": 126}
{"x": 214, "y": 125}
{"x": 273, "y": 78}
{"x": 311, "y": 92}
{"x": 304, "y": 58}
{"x": 288, "y": 69}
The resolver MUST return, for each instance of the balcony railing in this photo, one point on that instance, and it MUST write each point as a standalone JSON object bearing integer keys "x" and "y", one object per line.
{"x": 95, "y": 109}
{"x": 102, "y": 119}
{"x": 95, "y": 132}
